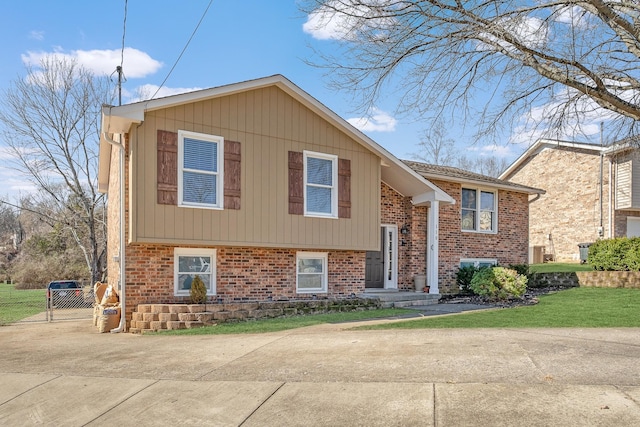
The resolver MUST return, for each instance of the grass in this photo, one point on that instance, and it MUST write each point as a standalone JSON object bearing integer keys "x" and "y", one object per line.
{"x": 559, "y": 267}
{"x": 18, "y": 304}
{"x": 285, "y": 323}
{"x": 572, "y": 308}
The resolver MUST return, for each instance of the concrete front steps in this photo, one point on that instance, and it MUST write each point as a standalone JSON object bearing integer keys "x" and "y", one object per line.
{"x": 401, "y": 299}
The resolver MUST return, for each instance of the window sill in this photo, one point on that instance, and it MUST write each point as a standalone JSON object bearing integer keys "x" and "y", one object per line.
{"x": 479, "y": 232}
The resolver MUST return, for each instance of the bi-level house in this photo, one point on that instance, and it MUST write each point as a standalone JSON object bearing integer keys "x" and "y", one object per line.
{"x": 265, "y": 193}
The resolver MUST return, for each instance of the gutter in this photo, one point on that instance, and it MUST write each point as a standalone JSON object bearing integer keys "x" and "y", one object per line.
{"x": 121, "y": 258}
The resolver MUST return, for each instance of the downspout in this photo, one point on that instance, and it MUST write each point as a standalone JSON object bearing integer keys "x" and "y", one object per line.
{"x": 611, "y": 210}
{"x": 601, "y": 193}
{"x": 121, "y": 258}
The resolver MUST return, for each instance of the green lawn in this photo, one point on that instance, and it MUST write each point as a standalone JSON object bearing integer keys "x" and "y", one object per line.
{"x": 18, "y": 304}
{"x": 559, "y": 267}
{"x": 284, "y": 323}
{"x": 572, "y": 308}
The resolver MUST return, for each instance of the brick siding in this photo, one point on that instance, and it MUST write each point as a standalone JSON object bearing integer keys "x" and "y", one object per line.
{"x": 569, "y": 212}
{"x": 508, "y": 246}
{"x": 398, "y": 210}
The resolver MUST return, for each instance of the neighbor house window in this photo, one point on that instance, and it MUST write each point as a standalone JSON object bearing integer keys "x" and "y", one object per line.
{"x": 478, "y": 262}
{"x": 189, "y": 263}
{"x": 200, "y": 170}
{"x": 478, "y": 210}
{"x": 320, "y": 184}
{"x": 311, "y": 272}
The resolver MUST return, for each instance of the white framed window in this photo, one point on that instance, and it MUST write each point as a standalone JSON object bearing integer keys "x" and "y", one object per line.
{"x": 478, "y": 262}
{"x": 311, "y": 272}
{"x": 189, "y": 262}
{"x": 200, "y": 170}
{"x": 320, "y": 184}
{"x": 479, "y": 210}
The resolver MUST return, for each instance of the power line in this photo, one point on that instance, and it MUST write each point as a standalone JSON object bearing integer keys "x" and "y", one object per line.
{"x": 124, "y": 31}
{"x": 183, "y": 50}
{"x": 119, "y": 67}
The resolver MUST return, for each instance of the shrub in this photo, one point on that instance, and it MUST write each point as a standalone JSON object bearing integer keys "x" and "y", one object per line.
{"x": 619, "y": 254}
{"x": 464, "y": 276}
{"x": 499, "y": 283}
{"x": 520, "y": 268}
{"x": 198, "y": 292}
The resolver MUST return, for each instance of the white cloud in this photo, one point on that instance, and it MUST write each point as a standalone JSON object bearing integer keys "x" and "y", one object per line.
{"x": 530, "y": 31}
{"x": 581, "y": 121}
{"x": 573, "y": 15}
{"x": 377, "y": 121}
{"x": 136, "y": 64}
{"x": 36, "y": 35}
{"x": 343, "y": 20}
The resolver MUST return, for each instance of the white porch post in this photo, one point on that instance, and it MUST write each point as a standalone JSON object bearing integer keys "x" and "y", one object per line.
{"x": 432, "y": 246}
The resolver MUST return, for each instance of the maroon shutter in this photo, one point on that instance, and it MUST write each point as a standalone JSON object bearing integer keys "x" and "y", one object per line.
{"x": 232, "y": 175}
{"x": 296, "y": 183}
{"x": 167, "y": 168}
{"x": 344, "y": 188}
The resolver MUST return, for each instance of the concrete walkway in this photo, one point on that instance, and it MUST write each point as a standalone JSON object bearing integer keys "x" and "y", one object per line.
{"x": 66, "y": 374}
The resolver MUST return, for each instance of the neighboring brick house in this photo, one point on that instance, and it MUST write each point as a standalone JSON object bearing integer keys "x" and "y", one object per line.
{"x": 591, "y": 192}
{"x": 488, "y": 224}
{"x": 267, "y": 194}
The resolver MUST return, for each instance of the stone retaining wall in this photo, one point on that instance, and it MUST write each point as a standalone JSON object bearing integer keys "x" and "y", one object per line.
{"x": 595, "y": 279}
{"x": 157, "y": 317}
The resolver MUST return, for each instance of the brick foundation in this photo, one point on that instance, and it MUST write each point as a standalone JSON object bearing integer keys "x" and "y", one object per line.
{"x": 243, "y": 274}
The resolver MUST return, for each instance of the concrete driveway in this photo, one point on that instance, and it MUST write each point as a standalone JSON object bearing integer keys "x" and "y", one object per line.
{"x": 65, "y": 373}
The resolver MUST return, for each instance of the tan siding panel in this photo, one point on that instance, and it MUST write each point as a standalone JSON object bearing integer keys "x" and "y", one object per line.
{"x": 268, "y": 124}
{"x": 623, "y": 185}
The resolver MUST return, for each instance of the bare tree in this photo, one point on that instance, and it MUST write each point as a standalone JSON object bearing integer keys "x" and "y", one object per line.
{"x": 435, "y": 146}
{"x": 559, "y": 62}
{"x": 51, "y": 129}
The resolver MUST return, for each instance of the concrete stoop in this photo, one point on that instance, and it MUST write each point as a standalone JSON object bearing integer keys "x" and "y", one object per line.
{"x": 401, "y": 299}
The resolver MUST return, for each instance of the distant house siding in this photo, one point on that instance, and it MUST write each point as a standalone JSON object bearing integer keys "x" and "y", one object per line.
{"x": 569, "y": 212}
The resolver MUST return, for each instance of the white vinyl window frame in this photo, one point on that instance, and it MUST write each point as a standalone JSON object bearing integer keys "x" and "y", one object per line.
{"x": 195, "y": 261}
{"x": 475, "y": 225}
{"x": 332, "y": 187}
{"x": 478, "y": 262}
{"x": 218, "y": 141}
{"x": 303, "y": 274}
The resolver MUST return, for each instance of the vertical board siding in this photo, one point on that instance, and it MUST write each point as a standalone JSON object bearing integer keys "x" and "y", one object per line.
{"x": 623, "y": 185}
{"x": 267, "y": 124}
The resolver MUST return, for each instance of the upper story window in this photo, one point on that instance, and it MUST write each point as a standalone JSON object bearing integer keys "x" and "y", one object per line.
{"x": 200, "y": 170}
{"x": 479, "y": 209}
{"x": 320, "y": 184}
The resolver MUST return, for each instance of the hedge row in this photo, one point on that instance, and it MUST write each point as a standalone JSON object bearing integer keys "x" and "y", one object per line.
{"x": 619, "y": 254}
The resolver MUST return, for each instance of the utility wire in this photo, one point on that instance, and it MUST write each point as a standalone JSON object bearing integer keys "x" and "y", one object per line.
{"x": 124, "y": 31}
{"x": 183, "y": 50}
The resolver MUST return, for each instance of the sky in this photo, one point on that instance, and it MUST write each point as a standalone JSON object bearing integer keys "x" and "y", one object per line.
{"x": 236, "y": 41}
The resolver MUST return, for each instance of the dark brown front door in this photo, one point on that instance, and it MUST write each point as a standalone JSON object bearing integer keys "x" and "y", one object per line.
{"x": 374, "y": 266}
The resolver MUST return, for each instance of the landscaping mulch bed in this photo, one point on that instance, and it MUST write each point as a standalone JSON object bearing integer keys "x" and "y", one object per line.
{"x": 530, "y": 298}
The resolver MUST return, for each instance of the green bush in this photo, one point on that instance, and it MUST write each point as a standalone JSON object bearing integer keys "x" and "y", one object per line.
{"x": 499, "y": 283}
{"x": 464, "y": 276}
{"x": 619, "y": 254}
{"x": 520, "y": 268}
{"x": 198, "y": 292}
